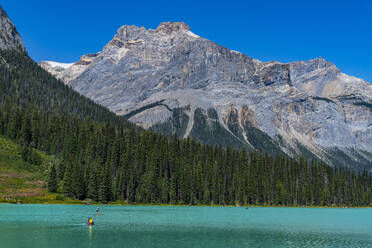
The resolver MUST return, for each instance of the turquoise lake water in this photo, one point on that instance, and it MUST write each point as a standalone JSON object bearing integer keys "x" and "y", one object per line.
{"x": 39, "y": 226}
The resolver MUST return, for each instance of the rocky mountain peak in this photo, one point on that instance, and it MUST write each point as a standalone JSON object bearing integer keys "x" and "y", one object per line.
{"x": 321, "y": 62}
{"x": 9, "y": 37}
{"x": 173, "y": 81}
{"x": 170, "y": 27}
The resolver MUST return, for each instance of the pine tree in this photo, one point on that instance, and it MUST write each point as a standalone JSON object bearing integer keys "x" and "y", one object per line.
{"x": 68, "y": 180}
{"x": 93, "y": 184}
{"x": 78, "y": 186}
{"x": 52, "y": 179}
{"x": 105, "y": 186}
{"x": 26, "y": 131}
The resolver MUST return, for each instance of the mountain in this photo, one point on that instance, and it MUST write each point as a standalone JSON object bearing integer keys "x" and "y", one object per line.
{"x": 173, "y": 81}
{"x": 9, "y": 37}
{"x": 83, "y": 151}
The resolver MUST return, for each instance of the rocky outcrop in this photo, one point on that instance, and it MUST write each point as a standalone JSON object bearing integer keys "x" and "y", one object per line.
{"x": 170, "y": 27}
{"x": 9, "y": 37}
{"x": 173, "y": 81}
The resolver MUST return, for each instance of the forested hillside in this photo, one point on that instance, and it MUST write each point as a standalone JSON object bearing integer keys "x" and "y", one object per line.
{"x": 107, "y": 162}
{"x": 101, "y": 157}
{"x": 24, "y": 83}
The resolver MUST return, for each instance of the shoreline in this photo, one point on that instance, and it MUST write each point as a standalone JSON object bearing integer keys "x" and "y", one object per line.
{"x": 79, "y": 202}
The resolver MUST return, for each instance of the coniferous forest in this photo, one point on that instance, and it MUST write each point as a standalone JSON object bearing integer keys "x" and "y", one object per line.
{"x": 102, "y": 157}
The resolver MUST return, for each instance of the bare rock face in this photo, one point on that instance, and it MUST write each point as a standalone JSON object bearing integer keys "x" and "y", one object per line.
{"x": 9, "y": 37}
{"x": 170, "y": 27}
{"x": 173, "y": 81}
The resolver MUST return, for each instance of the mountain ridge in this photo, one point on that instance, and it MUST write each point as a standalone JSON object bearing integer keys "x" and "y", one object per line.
{"x": 292, "y": 106}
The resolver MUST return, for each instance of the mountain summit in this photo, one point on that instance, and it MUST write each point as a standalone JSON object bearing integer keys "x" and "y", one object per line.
{"x": 169, "y": 27}
{"x": 9, "y": 37}
{"x": 173, "y": 81}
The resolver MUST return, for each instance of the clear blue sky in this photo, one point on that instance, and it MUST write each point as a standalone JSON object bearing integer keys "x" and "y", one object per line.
{"x": 282, "y": 30}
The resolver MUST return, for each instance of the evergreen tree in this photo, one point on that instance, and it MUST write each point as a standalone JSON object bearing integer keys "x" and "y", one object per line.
{"x": 52, "y": 179}
{"x": 93, "y": 184}
{"x": 68, "y": 180}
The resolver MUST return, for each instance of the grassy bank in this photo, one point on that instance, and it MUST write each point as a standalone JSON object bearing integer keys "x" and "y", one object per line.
{"x": 20, "y": 179}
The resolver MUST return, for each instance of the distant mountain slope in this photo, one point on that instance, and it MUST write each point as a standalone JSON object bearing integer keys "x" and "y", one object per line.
{"x": 173, "y": 81}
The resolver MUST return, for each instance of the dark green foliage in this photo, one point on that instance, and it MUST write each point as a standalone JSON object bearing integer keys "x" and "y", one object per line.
{"x": 305, "y": 152}
{"x": 30, "y": 156}
{"x": 176, "y": 125}
{"x": 92, "y": 191}
{"x": 52, "y": 179}
{"x": 261, "y": 141}
{"x": 212, "y": 113}
{"x": 105, "y": 186}
{"x": 107, "y": 162}
{"x": 205, "y": 129}
{"x": 139, "y": 110}
{"x": 339, "y": 157}
{"x": 68, "y": 179}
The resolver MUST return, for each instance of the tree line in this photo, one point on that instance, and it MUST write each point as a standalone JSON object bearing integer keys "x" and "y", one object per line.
{"x": 106, "y": 162}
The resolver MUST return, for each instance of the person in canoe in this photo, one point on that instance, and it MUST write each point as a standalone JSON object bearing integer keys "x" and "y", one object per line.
{"x": 97, "y": 211}
{"x": 90, "y": 222}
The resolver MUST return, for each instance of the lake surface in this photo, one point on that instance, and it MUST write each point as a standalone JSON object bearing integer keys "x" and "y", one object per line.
{"x": 39, "y": 226}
